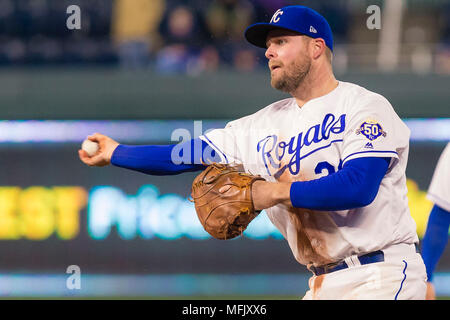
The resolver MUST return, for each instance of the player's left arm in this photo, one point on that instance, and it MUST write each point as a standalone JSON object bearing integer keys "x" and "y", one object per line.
{"x": 374, "y": 138}
{"x": 355, "y": 185}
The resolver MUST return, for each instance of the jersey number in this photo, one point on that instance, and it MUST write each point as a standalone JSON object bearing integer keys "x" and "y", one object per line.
{"x": 321, "y": 166}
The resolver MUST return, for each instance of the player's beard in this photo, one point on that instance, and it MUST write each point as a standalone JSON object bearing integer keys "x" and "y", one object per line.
{"x": 293, "y": 76}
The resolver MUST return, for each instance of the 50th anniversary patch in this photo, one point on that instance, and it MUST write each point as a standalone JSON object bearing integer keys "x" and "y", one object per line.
{"x": 371, "y": 129}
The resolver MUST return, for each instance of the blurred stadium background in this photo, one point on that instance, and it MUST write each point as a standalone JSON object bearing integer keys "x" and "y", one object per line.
{"x": 137, "y": 70}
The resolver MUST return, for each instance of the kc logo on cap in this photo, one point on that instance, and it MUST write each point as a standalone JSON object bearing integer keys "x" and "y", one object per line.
{"x": 299, "y": 19}
{"x": 276, "y": 16}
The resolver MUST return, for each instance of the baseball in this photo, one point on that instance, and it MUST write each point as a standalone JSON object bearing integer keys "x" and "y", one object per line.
{"x": 90, "y": 147}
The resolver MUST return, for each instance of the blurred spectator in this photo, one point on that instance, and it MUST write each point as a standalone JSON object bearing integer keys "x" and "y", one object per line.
{"x": 173, "y": 59}
{"x": 209, "y": 59}
{"x": 180, "y": 26}
{"x": 134, "y": 25}
{"x": 228, "y": 19}
{"x": 184, "y": 40}
{"x": 177, "y": 29}
{"x": 442, "y": 64}
{"x": 245, "y": 60}
{"x": 13, "y": 51}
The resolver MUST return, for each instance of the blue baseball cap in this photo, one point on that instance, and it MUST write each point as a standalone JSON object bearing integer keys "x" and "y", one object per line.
{"x": 299, "y": 19}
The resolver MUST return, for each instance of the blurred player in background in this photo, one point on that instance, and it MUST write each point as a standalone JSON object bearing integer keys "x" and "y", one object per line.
{"x": 436, "y": 234}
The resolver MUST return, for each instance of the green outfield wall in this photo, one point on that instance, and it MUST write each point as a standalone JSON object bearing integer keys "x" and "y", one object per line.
{"x": 113, "y": 94}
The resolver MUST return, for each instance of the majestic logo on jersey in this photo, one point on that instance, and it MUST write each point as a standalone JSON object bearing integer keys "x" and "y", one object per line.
{"x": 274, "y": 151}
{"x": 371, "y": 130}
{"x": 276, "y": 16}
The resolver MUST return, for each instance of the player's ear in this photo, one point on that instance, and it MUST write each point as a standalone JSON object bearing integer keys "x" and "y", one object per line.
{"x": 318, "y": 48}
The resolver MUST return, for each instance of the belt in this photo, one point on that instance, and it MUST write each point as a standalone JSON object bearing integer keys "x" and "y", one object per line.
{"x": 376, "y": 256}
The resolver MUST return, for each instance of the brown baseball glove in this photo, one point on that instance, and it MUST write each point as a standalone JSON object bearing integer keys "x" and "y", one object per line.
{"x": 223, "y": 200}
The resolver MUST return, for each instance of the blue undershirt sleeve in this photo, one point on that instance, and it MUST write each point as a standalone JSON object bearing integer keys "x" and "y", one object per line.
{"x": 159, "y": 159}
{"x": 435, "y": 238}
{"x": 355, "y": 185}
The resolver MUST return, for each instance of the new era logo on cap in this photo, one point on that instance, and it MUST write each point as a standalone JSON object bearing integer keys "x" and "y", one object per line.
{"x": 311, "y": 29}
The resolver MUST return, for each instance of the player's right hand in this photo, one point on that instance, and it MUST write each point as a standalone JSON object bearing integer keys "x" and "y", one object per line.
{"x": 103, "y": 156}
{"x": 431, "y": 295}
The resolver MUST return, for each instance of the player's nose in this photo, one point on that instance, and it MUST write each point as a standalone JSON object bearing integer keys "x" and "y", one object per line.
{"x": 270, "y": 52}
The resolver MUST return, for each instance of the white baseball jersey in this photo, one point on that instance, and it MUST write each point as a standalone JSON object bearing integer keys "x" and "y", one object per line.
{"x": 285, "y": 142}
{"x": 439, "y": 190}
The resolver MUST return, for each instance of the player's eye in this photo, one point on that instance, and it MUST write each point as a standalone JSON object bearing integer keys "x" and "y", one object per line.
{"x": 278, "y": 42}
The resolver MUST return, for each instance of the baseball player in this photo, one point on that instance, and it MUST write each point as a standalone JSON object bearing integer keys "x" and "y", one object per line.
{"x": 436, "y": 234}
{"x": 333, "y": 157}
